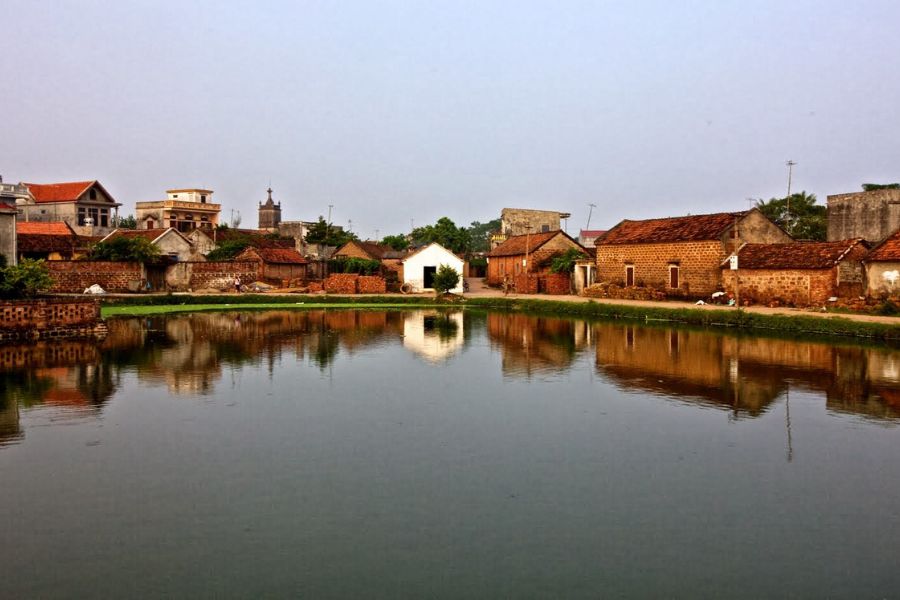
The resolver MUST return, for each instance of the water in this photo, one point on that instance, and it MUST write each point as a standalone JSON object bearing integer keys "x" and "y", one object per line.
{"x": 352, "y": 454}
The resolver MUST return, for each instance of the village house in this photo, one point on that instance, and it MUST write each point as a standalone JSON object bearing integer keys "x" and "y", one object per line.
{"x": 205, "y": 239}
{"x": 883, "y": 268}
{"x": 681, "y": 255}
{"x": 48, "y": 241}
{"x": 85, "y": 205}
{"x": 528, "y": 254}
{"x": 280, "y": 265}
{"x": 390, "y": 259}
{"x": 8, "y": 214}
{"x": 797, "y": 274}
{"x": 170, "y": 242}
{"x": 420, "y": 267}
{"x": 183, "y": 209}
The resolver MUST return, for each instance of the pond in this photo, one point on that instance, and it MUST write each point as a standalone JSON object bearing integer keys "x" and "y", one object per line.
{"x": 380, "y": 454}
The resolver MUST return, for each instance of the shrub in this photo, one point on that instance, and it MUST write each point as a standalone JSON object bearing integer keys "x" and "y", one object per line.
{"x": 445, "y": 279}
{"x": 25, "y": 280}
{"x": 361, "y": 266}
{"x": 565, "y": 263}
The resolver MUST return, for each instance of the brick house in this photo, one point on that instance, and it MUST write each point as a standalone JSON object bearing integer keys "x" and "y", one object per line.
{"x": 530, "y": 253}
{"x": 798, "y": 274}
{"x": 390, "y": 259}
{"x": 85, "y": 205}
{"x": 883, "y": 267}
{"x": 170, "y": 242}
{"x": 276, "y": 264}
{"x": 48, "y": 241}
{"x": 682, "y": 255}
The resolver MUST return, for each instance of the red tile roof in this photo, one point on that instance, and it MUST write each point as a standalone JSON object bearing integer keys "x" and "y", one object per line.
{"x": 691, "y": 228}
{"x": 278, "y": 256}
{"x": 591, "y": 233}
{"x": 149, "y": 234}
{"x": 515, "y": 245}
{"x": 7, "y": 208}
{"x": 888, "y": 250}
{"x": 37, "y": 228}
{"x": 58, "y": 192}
{"x": 29, "y": 243}
{"x": 797, "y": 255}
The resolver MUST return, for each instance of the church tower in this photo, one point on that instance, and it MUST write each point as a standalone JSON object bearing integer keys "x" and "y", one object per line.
{"x": 269, "y": 213}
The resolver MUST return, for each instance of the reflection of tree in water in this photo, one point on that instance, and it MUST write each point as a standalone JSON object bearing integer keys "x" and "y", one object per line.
{"x": 442, "y": 325}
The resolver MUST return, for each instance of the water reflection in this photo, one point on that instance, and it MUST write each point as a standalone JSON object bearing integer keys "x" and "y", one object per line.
{"x": 188, "y": 354}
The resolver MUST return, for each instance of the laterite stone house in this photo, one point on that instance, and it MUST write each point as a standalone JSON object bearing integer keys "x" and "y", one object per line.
{"x": 527, "y": 253}
{"x": 681, "y": 255}
{"x": 798, "y": 274}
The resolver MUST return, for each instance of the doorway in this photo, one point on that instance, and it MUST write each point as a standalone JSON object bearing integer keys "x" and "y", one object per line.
{"x": 428, "y": 277}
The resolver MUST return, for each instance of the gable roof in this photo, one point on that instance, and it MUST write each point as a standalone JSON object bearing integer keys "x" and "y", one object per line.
{"x": 426, "y": 246}
{"x": 41, "y": 228}
{"x": 153, "y": 235}
{"x": 691, "y": 228}
{"x": 888, "y": 250}
{"x": 62, "y": 192}
{"x": 516, "y": 244}
{"x": 797, "y": 255}
{"x": 278, "y": 256}
{"x": 375, "y": 250}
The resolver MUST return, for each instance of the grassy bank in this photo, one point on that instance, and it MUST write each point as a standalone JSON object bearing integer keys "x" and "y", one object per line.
{"x": 734, "y": 319}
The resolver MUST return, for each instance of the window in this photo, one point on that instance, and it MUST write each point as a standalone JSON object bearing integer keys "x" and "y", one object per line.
{"x": 545, "y": 228}
{"x": 82, "y": 215}
{"x": 674, "y": 276}
{"x": 629, "y": 275}
{"x": 104, "y": 217}
{"x": 92, "y": 194}
{"x": 203, "y": 198}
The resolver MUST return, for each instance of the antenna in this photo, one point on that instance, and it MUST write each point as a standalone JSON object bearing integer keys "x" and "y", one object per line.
{"x": 590, "y": 212}
{"x": 790, "y": 165}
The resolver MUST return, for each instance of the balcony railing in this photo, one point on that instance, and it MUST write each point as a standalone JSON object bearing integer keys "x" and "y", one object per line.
{"x": 179, "y": 204}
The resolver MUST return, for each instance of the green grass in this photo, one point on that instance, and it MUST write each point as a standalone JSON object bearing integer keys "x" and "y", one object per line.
{"x": 131, "y": 310}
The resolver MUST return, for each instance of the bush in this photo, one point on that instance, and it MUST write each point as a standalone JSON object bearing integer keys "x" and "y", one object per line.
{"x": 361, "y": 266}
{"x": 445, "y": 279}
{"x": 25, "y": 280}
{"x": 565, "y": 263}
{"x": 229, "y": 249}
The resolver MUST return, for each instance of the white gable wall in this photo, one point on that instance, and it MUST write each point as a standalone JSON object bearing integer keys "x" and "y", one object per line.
{"x": 433, "y": 255}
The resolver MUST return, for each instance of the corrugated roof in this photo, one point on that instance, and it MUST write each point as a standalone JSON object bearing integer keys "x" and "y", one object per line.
{"x": 58, "y": 192}
{"x": 888, "y": 250}
{"x": 797, "y": 255}
{"x": 691, "y": 228}
{"x": 39, "y": 228}
{"x": 516, "y": 244}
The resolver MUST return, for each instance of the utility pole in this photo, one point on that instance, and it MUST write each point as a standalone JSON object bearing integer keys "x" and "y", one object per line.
{"x": 376, "y": 235}
{"x": 790, "y": 165}
{"x": 590, "y": 212}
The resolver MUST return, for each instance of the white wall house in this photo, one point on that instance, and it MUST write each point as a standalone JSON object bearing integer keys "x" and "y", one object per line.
{"x": 420, "y": 266}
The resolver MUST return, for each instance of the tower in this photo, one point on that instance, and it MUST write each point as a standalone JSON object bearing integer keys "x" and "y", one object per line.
{"x": 269, "y": 213}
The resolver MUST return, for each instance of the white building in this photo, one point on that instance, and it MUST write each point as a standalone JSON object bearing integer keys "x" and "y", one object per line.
{"x": 433, "y": 336}
{"x": 420, "y": 267}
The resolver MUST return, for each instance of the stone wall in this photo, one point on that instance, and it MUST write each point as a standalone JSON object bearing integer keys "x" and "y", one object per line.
{"x": 370, "y": 284}
{"x": 872, "y": 216}
{"x": 795, "y": 287}
{"x": 74, "y": 276}
{"x": 216, "y": 275}
{"x": 49, "y": 318}
{"x": 698, "y": 263}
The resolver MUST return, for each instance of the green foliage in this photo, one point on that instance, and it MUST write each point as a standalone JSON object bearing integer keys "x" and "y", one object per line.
{"x": 128, "y": 249}
{"x": 445, "y": 279}
{"x": 25, "y": 280}
{"x": 128, "y": 222}
{"x": 871, "y": 187}
{"x": 480, "y": 234}
{"x": 397, "y": 242}
{"x": 330, "y": 235}
{"x": 229, "y": 248}
{"x": 446, "y": 233}
{"x": 352, "y": 264}
{"x": 888, "y": 308}
{"x": 565, "y": 263}
{"x": 806, "y": 221}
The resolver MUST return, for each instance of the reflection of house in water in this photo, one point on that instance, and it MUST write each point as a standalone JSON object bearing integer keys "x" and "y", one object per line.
{"x": 533, "y": 345}
{"x": 435, "y": 336}
{"x": 745, "y": 374}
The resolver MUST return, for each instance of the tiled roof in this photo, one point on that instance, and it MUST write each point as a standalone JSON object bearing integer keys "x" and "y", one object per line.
{"x": 257, "y": 237}
{"x": 515, "y": 245}
{"x": 279, "y": 256}
{"x": 7, "y": 208}
{"x": 588, "y": 233}
{"x": 149, "y": 234}
{"x": 888, "y": 250}
{"x": 692, "y": 228}
{"x": 40, "y": 243}
{"x": 58, "y": 192}
{"x": 37, "y": 228}
{"x": 797, "y": 255}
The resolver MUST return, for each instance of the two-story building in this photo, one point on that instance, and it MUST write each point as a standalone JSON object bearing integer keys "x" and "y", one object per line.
{"x": 85, "y": 205}
{"x": 183, "y": 210}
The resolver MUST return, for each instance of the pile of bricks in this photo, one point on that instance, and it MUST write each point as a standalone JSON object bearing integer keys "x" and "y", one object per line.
{"x": 611, "y": 290}
{"x": 372, "y": 284}
{"x": 526, "y": 283}
{"x": 557, "y": 284}
{"x": 314, "y": 286}
{"x": 73, "y": 276}
{"x": 342, "y": 283}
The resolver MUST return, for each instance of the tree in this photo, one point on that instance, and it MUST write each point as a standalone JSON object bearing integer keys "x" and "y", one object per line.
{"x": 480, "y": 234}
{"x": 397, "y": 242}
{"x": 446, "y": 233}
{"x": 806, "y": 221}
{"x": 330, "y": 235}
{"x": 229, "y": 248}
{"x": 565, "y": 262}
{"x": 122, "y": 248}
{"x": 128, "y": 222}
{"x": 871, "y": 187}
{"x": 25, "y": 280}
{"x": 445, "y": 279}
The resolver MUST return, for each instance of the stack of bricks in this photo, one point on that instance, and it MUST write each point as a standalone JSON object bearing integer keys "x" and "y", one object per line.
{"x": 558, "y": 284}
{"x": 75, "y": 276}
{"x": 526, "y": 283}
{"x": 314, "y": 286}
{"x": 372, "y": 284}
{"x": 342, "y": 283}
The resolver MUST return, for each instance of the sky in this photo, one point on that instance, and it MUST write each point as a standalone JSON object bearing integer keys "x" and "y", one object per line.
{"x": 399, "y": 113}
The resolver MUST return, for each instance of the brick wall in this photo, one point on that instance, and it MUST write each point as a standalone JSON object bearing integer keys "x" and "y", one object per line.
{"x": 557, "y": 284}
{"x": 217, "y": 275}
{"x": 342, "y": 283}
{"x": 698, "y": 264}
{"x": 526, "y": 283}
{"x": 49, "y": 318}
{"x": 73, "y": 276}
{"x": 797, "y": 287}
{"x": 370, "y": 284}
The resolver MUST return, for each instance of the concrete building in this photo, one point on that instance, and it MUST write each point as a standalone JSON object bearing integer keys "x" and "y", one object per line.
{"x": 883, "y": 268}
{"x": 269, "y": 213}
{"x": 183, "y": 210}
{"x": 85, "y": 205}
{"x": 872, "y": 216}
{"x": 587, "y": 237}
{"x": 8, "y": 214}
{"x": 420, "y": 267}
{"x": 519, "y": 221}
{"x": 682, "y": 255}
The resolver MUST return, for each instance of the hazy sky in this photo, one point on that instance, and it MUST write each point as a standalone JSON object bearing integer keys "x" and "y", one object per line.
{"x": 394, "y": 111}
